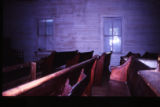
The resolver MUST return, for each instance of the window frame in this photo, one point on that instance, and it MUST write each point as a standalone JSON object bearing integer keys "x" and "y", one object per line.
{"x": 45, "y": 27}
{"x": 45, "y": 34}
{"x": 103, "y": 35}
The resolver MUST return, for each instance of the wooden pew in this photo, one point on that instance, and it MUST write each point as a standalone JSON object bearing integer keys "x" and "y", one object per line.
{"x": 119, "y": 73}
{"x": 61, "y": 58}
{"x": 102, "y": 68}
{"x": 133, "y": 79}
{"x": 18, "y": 74}
{"x": 130, "y": 81}
{"x": 107, "y": 64}
{"x": 143, "y": 80}
{"x": 54, "y": 61}
{"x": 151, "y": 82}
{"x": 73, "y": 61}
{"x": 149, "y": 55}
{"x": 88, "y": 90}
{"x": 148, "y": 58}
{"x": 99, "y": 69}
{"x": 124, "y": 58}
{"x": 85, "y": 55}
{"x": 81, "y": 56}
{"x": 71, "y": 81}
{"x": 45, "y": 65}
{"x": 152, "y": 63}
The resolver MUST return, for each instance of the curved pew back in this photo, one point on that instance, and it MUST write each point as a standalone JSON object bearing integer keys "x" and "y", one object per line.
{"x": 119, "y": 73}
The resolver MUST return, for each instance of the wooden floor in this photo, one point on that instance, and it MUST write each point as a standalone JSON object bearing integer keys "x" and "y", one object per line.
{"x": 111, "y": 88}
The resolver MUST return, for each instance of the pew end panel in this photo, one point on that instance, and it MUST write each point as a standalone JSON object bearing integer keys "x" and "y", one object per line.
{"x": 119, "y": 73}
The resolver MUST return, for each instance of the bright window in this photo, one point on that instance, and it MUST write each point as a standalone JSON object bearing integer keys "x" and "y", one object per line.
{"x": 112, "y": 34}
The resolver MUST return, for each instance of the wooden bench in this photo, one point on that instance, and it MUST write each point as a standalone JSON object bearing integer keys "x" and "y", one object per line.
{"x": 128, "y": 80}
{"x": 151, "y": 80}
{"x": 152, "y": 63}
{"x": 85, "y": 55}
{"x": 54, "y": 61}
{"x": 75, "y": 80}
{"x": 60, "y": 60}
{"x": 80, "y": 57}
{"x": 18, "y": 74}
{"x": 107, "y": 64}
{"x": 102, "y": 68}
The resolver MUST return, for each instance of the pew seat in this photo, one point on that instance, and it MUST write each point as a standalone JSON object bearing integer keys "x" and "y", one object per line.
{"x": 152, "y": 80}
{"x": 152, "y": 63}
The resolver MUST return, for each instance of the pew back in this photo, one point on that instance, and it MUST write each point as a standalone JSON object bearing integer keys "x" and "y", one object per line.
{"x": 54, "y": 60}
{"x": 80, "y": 57}
{"x": 61, "y": 58}
{"x": 85, "y": 55}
